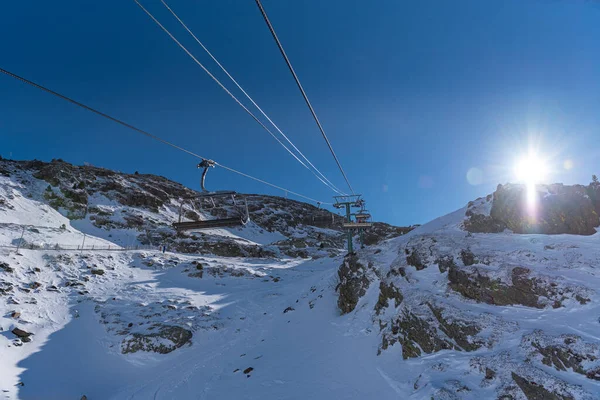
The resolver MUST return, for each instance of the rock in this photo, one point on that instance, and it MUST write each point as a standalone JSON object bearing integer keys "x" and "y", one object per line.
{"x": 445, "y": 263}
{"x": 84, "y": 397}
{"x": 564, "y": 352}
{"x": 387, "y": 292}
{"x": 416, "y": 335}
{"x": 167, "y": 339}
{"x": 560, "y": 209}
{"x": 523, "y": 288}
{"x": 35, "y": 285}
{"x": 461, "y": 331}
{"x": 535, "y": 391}
{"x": 21, "y": 333}
{"x": 353, "y": 283}
{"x": 97, "y": 271}
{"x": 15, "y": 314}
{"x": 5, "y": 267}
{"x": 415, "y": 259}
{"x": 489, "y": 373}
{"x": 248, "y": 370}
{"x": 288, "y": 310}
{"x": 467, "y": 257}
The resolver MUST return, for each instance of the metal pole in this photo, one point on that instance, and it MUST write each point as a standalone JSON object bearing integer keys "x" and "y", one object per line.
{"x": 82, "y": 243}
{"x": 350, "y": 249}
{"x": 20, "y": 239}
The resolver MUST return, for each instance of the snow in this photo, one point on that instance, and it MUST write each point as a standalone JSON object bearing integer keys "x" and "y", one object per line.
{"x": 236, "y": 312}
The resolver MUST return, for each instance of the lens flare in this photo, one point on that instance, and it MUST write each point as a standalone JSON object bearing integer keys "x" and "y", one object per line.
{"x": 531, "y": 170}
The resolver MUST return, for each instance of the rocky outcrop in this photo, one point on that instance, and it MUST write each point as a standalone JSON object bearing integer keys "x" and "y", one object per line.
{"x": 165, "y": 340}
{"x": 564, "y": 353}
{"x": 381, "y": 231}
{"x": 387, "y": 292}
{"x": 353, "y": 283}
{"x": 416, "y": 334}
{"x": 522, "y": 288}
{"x": 551, "y": 209}
{"x": 534, "y": 391}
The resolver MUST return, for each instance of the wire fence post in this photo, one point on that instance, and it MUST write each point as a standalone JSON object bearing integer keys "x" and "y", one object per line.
{"x": 20, "y": 239}
{"x": 82, "y": 244}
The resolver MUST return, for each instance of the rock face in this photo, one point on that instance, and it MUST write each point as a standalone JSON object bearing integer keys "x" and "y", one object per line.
{"x": 535, "y": 391}
{"x": 564, "y": 353}
{"x": 167, "y": 339}
{"x": 523, "y": 288}
{"x": 556, "y": 209}
{"x": 353, "y": 283}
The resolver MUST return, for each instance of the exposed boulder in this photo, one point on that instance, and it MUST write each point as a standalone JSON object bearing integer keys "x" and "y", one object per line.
{"x": 353, "y": 283}
{"x": 21, "y": 333}
{"x": 5, "y": 267}
{"x": 97, "y": 271}
{"x": 167, "y": 339}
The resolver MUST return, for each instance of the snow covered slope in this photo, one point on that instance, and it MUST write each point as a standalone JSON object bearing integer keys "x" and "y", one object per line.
{"x": 473, "y": 315}
{"x": 438, "y": 313}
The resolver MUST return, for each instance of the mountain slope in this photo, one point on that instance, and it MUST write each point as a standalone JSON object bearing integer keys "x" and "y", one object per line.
{"x": 274, "y": 310}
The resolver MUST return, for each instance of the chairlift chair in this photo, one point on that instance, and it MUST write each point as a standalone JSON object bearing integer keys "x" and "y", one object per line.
{"x": 240, "y": 219}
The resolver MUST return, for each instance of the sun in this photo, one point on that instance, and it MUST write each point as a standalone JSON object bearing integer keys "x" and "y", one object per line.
{"x": 531, "y": 169}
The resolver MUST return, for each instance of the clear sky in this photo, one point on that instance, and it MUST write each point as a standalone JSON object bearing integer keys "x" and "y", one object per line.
{"x": 413, "y": 94}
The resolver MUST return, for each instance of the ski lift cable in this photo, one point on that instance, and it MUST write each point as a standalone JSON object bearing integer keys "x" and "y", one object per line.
{"x": 332, "y": 186}
{"x": 143, "y": 132}
{"x": 225, "y": 89}
{"x": 289, "y": 64}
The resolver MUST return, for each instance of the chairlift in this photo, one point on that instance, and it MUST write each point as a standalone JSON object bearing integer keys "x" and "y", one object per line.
{"x": 241, "y": 209}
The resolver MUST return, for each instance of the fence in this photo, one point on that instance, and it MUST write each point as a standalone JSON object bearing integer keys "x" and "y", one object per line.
{"x": 67, "y": 247}
{"x": 22, "y": 243}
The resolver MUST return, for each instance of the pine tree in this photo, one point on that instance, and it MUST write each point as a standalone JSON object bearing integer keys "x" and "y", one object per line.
{"x": 595, "y": 180}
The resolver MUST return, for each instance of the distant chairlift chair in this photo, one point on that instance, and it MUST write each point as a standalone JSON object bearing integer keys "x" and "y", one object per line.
{"x": 240, "y": 219}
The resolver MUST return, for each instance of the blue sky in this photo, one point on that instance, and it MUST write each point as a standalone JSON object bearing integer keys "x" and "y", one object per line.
{"x": 413, "y": 95}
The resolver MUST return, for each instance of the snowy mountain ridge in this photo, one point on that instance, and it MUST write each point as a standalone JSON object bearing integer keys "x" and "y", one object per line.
{"x": 459, "y": 308}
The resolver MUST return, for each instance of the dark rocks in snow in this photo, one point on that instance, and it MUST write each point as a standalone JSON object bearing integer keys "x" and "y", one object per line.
{"x": 97, "y": 271}
{"x": 288, "y": 309}
{"x": 415, "y": 259}
{"x": 15, "y": 314}
{"x": 35, "y": 285}
{"x": 157, "y": 342}
{"x": 467, "y": 257}
{"x": 248, "y": 370}
{"x": 461, "y": 331}
{"x": 387, "y": 292}
{"x": 534, "y": 391}
{"x": 445, "y": 263}
{"x": 489, "y": 373}
{"x": 353, "y": 283}
{"x": 559, "y": 209}
{"x": 21, "y": 333}
{"x": 523, "y": 288}
{"x": 5, "y": 288}
{"x": 5, "y": 267}
{"x": 416, "y": 335}
{"x": 381, "y": 231}
{"x": 565, "y": 352}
